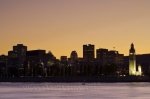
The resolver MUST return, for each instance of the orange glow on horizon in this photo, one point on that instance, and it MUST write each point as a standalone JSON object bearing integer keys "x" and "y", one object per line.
{"x": 62, "y": 26}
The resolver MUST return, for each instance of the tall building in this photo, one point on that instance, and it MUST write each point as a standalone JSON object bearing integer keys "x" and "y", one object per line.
{"x": 74, "y": 56}
{"x": 102, "y": 55}
{"x": 19, "y": 54}
{"x": 16, "y": 59}
{"x": 20, "y": 50}
{"x": 73, "y": 60}
{"x": 133, "y": 70}
{"x": 88, "y": 52}
{"x": 101, "y": 52}
{"x": 132, "y": 60}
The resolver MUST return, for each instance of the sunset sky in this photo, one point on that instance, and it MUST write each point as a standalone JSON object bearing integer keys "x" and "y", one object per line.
{"x": 65, "y": 25}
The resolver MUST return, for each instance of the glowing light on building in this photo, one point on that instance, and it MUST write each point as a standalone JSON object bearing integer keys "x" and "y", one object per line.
{"x": 132, "y": 63}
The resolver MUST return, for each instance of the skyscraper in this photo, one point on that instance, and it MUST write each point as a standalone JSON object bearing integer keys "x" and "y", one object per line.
{"x": 88, "y": 52}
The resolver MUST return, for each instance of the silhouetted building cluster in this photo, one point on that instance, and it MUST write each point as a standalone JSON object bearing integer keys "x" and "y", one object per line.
{"x": 22, "y": 62}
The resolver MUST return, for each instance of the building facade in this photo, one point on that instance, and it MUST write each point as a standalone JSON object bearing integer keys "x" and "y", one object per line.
{"x": 88, "y": 52}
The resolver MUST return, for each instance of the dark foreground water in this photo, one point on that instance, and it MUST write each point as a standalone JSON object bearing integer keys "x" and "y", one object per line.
{"x": 74, "y": 91}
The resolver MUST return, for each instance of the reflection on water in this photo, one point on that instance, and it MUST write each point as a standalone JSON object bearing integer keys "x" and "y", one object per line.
{"x": 74, "y": 91}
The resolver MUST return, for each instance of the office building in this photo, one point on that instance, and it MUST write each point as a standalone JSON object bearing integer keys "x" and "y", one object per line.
{"x": 88, "y": 52}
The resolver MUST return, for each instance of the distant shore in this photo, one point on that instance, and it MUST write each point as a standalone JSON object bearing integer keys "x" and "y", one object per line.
{"x": 108, "y": 79}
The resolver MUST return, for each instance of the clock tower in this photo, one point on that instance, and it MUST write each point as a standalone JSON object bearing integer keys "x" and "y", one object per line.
{"x": 132, "y": 60}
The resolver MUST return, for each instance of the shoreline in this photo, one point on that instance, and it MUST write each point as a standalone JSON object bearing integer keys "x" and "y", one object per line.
{"x": 77, "y": 79}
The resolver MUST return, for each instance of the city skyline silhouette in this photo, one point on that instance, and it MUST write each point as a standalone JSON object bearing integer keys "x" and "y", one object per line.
{"x": 62, "y": 54}
{"x": 67, "y": 49}
{"x": 63, "y": 25}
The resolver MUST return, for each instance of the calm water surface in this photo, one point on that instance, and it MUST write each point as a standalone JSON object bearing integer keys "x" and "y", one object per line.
{"x": 74, "y": 91}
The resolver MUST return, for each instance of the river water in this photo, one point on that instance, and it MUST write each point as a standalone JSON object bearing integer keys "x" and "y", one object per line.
{"x": 74, "y": 91}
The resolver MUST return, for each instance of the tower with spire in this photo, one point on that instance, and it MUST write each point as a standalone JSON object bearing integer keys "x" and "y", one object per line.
{"x": 132, "y": 63}
{"x": 132, "y": 60}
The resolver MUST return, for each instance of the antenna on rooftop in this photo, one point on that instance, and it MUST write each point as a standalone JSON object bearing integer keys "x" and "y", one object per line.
{"x": 114, "y": 48}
